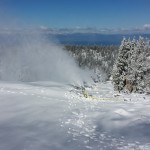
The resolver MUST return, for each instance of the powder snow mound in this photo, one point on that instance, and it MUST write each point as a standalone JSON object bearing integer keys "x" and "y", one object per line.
{"x": 122, "y": 112}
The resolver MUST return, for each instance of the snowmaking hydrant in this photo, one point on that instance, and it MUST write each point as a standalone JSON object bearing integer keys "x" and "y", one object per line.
{"x": 85, "y": 93}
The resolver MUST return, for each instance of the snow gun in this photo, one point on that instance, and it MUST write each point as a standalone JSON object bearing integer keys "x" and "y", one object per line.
{"x": 87, "y": 95}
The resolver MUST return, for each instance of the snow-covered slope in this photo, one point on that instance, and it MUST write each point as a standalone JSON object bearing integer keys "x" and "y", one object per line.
{"x": 55, "y": 116}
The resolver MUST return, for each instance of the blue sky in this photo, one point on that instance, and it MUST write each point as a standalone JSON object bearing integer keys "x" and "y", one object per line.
{"x": 111, "y": 14}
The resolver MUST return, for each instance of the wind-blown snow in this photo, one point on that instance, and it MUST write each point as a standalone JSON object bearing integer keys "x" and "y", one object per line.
{"x": 56, "y": 116}
{"x": 31, "y": 57}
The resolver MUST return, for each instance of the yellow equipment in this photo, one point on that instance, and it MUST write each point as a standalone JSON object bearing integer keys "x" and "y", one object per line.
{"x": 86, "y": 95}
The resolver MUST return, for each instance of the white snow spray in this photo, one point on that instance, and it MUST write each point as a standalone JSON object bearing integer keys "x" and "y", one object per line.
{"x": 31, "y": 57}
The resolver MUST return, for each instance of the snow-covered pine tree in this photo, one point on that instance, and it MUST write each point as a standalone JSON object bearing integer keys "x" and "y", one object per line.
{"x": 131, "y": 72}
{"x": 121, "y": 66}
{"x": 132, "y": 69}
{"x": 147, "y": 63}
{"x": 143, "y": 66}
{"x": 137, "y": 68}
{"x": 140, "y": 65}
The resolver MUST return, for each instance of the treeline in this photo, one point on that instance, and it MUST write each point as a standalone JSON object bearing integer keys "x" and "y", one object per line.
{"x": 129, "y": 64}
{"x": 97, "y": 58}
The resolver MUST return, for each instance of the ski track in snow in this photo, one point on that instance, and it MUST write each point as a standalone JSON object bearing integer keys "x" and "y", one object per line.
{"x": 25, "y": 93}
{"x": 58, "y": 117}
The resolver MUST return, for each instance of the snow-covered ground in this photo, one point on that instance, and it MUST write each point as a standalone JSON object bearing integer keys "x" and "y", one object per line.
{"x": 56, "y": 116}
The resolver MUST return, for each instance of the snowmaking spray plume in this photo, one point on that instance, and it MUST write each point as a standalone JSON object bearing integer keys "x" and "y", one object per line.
{"x": 31, "y": 57}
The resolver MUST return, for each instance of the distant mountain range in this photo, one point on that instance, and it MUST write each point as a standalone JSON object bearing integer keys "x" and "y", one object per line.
{"x": 76, "y": 38}
{"x": 94, "y": 39}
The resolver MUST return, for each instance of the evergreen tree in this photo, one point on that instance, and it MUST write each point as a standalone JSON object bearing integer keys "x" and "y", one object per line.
{"x": 132, "y": 70}
{"x": 121, "y": 66}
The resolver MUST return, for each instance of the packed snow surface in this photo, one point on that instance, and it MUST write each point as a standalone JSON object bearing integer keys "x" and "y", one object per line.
{"x": 56, "y": 116}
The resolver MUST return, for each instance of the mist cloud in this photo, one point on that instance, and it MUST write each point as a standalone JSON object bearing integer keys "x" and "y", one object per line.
{"x": 147, "y": 26}
{"x": 30, "y": 57}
